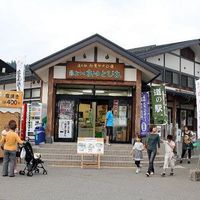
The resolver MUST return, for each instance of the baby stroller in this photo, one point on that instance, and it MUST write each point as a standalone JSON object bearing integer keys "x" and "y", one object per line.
{"x": 33, "y": 160}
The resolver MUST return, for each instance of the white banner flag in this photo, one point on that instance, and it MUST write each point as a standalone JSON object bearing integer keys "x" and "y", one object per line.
{"x": 20, "y": 76}
{"x": 198, "y": 107}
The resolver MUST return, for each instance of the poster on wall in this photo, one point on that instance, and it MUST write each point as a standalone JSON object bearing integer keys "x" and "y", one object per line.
{"x": 87, "y": 145}
{"x": 65, "y": 128}
{"x": 145, "y": 114}
{"x": 122, "y": 116}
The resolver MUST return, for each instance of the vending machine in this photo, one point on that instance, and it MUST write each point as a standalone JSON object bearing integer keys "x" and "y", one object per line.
{"x": 35, "y": 113}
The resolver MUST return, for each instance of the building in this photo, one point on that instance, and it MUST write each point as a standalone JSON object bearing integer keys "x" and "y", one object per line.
{"x": 179, "y": 64}
{"x": 83, "y": 80}
{"x": 78, "y": 83}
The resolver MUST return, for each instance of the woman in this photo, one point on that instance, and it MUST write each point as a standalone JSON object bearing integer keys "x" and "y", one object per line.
{"x": 153, "y": 139}
{"x": 10, "y": 142}
{"x": 109, "y": 125}
{"x": 186, "y": 144}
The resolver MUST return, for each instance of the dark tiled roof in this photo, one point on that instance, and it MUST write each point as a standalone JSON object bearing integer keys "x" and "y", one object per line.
{"x": 153, "y": 50}
{"x": 11, "y": 78}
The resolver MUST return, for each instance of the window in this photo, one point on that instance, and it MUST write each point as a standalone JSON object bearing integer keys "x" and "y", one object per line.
{"x": 184, "y": 81}
{"x": 168, "y": 77}
{"x": 190, "y": 82}
{"x": 36, "y": 93}
{"x": 175, "y": 78}
{"x": 32, "y": 93}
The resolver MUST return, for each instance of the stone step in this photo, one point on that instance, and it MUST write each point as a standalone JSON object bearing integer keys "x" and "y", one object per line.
{"x": 113, "y": 164}
{"x": 103, "y": 157}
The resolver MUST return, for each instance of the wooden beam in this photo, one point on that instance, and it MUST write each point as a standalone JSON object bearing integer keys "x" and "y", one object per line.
{"x": 50, "y": 107}
{"x": 174, "y": 115}
{"x": 93, "y": 82}
{"x": 137, "y": 105}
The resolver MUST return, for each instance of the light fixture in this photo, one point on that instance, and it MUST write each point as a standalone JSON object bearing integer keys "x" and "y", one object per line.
{"x": 87, "y": 91}
{"x": 84, "y": 55}
{"x": 100, "y": 91}
{"x": 107, "y": 57}
{"x": 76, "y": 93}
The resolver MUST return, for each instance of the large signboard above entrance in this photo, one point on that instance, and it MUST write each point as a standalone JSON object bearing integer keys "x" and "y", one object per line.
{"x": 96, "y": 71}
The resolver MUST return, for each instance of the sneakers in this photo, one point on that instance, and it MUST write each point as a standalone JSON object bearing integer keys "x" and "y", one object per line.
{"x": 188, "y": 161}
{"x": 163, "y": 174}
{"x": 15, "y": 171}
{"x": 137, "y": 170}
{"x": 171, "y": 174}
{"x": 147, "y": 174}
{"x": 152, "y": 173}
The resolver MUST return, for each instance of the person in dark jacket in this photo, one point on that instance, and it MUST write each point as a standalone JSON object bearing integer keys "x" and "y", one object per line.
{"x": 152, "y": 141}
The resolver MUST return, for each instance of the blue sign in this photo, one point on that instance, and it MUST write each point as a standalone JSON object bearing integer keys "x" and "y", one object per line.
{"x": 145, "y": 114}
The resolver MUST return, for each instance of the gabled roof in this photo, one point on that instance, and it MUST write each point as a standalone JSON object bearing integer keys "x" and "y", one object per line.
{"x": 92, "y": 39}
{"x": 9, "y": 68}
{"x": 153, "y": 50}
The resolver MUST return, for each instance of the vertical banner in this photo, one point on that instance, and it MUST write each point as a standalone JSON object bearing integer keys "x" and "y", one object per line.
{"x": 159, "y": 106}
{"x": 198, "y": 107}
{"x": 20, "y": 76}
{"x": 145, "y": 114}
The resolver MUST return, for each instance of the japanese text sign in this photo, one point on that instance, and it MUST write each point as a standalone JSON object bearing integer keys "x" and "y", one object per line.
{"x": 11, "y": 99}
{"x": 158, "y": 101}
{"x": 95, "y": 71}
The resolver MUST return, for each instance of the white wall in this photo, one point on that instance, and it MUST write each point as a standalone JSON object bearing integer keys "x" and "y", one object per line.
{"x": 187, "y": 66}
{"x": 197, "y": 59}
{"x": 11, "y": 86}
{"x": 159, "y": 60}
{"x": 28, "y": 84}
{"x": 101, "y": 56}
{"x": 172, "y": 61}
{"x": 59, "y": 72}
{"x": 197, "y": 70}
{"x": 89, "y": 56}
{"x": 130, "y": 74}
{"x": 177, "y": 52}
{"x": 44, "y": 92}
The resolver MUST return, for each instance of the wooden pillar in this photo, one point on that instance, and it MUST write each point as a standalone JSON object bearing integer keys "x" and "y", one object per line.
{"x": 174, "y": 115}
{"x": 137, "y": 105}
{"x": 50, "y": 107}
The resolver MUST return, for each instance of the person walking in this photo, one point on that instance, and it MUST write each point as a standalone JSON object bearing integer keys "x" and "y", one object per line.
{"x": 153, "y": 139}
{"x": 169, "y": 155}
{"x": 187, "y": 144}
{"x": 10, "y": 141}
{"x": 109, "y": 125}
{"x": 137, "y": 149}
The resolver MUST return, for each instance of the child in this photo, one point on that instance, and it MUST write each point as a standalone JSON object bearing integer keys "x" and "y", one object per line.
{"x": 169, "y": 155}
{"x": 138, "y": 148}
{"x": 4, "y": 133}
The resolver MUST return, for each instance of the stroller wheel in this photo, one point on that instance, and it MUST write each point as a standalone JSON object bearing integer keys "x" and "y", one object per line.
{"x": 30, "y": 174}
{"x": 45, "y": 172}
{"x": 37, "y": 171}
{"x": 22, "y": 172}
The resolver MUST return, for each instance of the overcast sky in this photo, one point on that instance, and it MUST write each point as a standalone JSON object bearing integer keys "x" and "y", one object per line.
{"x": 37, "y": 28}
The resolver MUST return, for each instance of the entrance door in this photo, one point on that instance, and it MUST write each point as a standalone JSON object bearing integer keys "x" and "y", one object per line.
{"x": 92, "y": 114}
{"x": 91, "y": 118}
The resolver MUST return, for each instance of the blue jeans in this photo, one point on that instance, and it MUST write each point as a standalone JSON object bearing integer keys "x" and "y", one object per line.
{"x": 9, "y": 160}
{"x": 151, "y": 156}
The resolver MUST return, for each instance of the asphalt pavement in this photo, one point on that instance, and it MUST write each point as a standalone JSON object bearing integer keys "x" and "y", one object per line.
{"x": 63, "y": 183}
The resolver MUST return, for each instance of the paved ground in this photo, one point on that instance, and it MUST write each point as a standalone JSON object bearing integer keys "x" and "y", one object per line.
{"x": 92, "y": 184}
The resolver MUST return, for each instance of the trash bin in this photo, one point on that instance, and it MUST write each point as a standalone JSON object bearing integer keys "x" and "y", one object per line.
{"x": 39, "y": 133}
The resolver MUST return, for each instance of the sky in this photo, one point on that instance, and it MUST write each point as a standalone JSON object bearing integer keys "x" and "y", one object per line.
{"x": 34, "y": 29}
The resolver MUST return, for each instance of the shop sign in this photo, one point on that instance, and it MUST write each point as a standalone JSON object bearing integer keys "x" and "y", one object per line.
{"x": 11, "y": 99}
{"x": 65, "y": 128}
{"x": 90, "y": 145}
{"x": 95, "y": 71}
{"x": 159, "y": 107}
{"x": 145, "y": 114}
{"x": 198, "y": 107}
